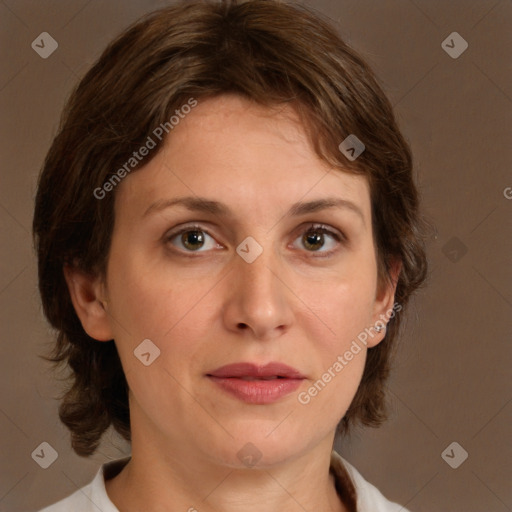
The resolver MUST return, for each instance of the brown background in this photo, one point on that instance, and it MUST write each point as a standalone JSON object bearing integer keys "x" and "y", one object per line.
{"x": 452, "y": 378}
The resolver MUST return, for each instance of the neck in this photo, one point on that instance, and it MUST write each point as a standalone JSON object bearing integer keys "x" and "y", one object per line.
{"x": 177, "y": 479}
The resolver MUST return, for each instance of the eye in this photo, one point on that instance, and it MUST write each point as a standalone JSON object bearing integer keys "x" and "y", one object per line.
{"x": 313, "y": 239}
{"x": 191, "y": 239}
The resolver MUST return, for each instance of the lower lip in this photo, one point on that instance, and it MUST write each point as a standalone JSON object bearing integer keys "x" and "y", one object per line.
{"x": 257, "y": 391}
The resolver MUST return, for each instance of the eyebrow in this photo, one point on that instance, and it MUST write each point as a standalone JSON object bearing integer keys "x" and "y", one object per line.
{"x": 205, "y": 205}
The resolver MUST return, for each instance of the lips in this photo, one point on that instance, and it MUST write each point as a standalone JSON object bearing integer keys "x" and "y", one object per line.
{"x": 255, "y": 384}
{"x": 251, "y": 371}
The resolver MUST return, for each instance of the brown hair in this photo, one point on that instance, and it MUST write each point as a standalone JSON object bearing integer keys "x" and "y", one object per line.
{"x": 268, "y": 51}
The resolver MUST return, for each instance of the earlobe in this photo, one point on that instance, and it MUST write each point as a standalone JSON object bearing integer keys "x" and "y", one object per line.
{"x": 87, "y": 295}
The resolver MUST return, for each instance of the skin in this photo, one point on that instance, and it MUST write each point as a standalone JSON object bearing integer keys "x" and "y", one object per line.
{"x": 214, "y": 308}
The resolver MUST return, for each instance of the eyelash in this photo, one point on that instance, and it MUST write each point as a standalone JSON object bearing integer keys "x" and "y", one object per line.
{"x": 314, "y": 227}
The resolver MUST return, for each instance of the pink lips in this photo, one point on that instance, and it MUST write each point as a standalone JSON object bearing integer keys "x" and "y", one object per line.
{"x": 257, "y": 384}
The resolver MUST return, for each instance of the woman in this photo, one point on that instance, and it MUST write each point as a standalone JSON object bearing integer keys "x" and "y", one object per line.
{"x": 227, "y": 231}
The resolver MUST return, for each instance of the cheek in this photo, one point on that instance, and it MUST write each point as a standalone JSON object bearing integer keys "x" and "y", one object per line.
{"x": 334, "y": 354}
{"x": 167, "y": 312}
{"x": 341, "y": 305}
{"x": 171, "y": 309}
{"x": 339, "y": 309}
{"x": 148, "y": 299}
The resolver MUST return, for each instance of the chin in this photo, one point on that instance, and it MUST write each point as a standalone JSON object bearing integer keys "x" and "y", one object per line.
{"x": 255, "y": 448}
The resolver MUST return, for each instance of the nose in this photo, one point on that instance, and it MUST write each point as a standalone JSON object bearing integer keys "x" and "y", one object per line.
{"x": 259, "y": 301}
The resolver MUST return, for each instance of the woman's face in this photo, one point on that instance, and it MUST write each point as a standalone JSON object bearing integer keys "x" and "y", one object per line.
{"x": 245, "y": 283}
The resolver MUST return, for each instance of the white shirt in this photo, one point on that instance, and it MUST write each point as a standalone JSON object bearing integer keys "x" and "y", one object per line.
{"x": 94, "y": 498}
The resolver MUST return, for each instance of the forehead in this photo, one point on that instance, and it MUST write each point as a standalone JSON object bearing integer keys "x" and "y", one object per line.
{"x": 242, "y": 154}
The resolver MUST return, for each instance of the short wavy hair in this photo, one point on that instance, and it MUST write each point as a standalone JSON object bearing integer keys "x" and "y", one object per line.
{"x": 271, "y": 52}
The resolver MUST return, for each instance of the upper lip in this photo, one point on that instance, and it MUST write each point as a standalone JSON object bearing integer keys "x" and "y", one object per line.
{"x": 273, "y": 369}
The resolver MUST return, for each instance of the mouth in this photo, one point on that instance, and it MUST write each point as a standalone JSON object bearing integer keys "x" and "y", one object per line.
{"x": 255, "y": 384}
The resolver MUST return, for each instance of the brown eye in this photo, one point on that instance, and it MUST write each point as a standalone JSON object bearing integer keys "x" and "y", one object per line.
{"x": 316, "y": 238}
{"x": 191, "y": 239}
{"x": 313, "y": 239}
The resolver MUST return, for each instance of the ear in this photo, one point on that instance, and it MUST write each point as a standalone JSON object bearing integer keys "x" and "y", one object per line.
{"x": 384, "y": 307}
{"x": 87, "y": 296}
